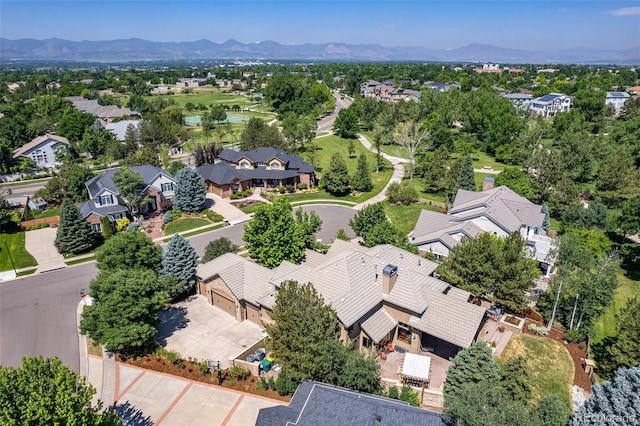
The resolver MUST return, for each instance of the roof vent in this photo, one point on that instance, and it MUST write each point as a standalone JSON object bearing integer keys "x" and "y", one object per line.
{"x": 446, "y": 290}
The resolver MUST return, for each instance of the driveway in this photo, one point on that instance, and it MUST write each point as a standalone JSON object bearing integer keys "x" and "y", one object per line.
{"x": 200, "y": 330}
{"x": 224, "y": 207}
{"x": 333, "y": 217}
{"x": 40, "y": 244}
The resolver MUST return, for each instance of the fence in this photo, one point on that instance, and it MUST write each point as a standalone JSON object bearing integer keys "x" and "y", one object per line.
{"x": 50, "y": 221}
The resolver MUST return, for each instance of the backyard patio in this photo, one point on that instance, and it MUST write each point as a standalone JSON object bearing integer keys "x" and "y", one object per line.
{"x": 391, "y": 369}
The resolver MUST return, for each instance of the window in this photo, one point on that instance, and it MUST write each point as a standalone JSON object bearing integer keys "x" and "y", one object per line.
{"x": 39, "y": 157}
{"x": 275, "y": 165}
{"x": 366, "y": 342}
{"x": 404, "y": 334}
{"x": 106, "y": 199}
{"x": 118, "y": 216}
{"x": 97, "y": 228}
{"x": 244, "y": 165}
{"x": 166, "y": 187}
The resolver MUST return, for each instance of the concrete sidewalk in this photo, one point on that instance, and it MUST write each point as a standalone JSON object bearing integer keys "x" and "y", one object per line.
{"x": 40, "y": 243}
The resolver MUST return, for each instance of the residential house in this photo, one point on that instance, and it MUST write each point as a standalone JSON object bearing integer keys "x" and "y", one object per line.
{"x": 12, "y": 87}
{"x": 105, "y": 199}
{"x": 319, "y": 404}
{"x": 491, "y": 68}
{"x": 549, "y": 105}
{"x": 499, "y": 211}
{"x": 21, "y": 202}
{"x": 617, "y": 100}
{"x": 440, "y": 87}
{"x": 261, "y": 168}
{"x": 634, "y": 90}
{"x": 106, "y": 113}
{"x": 119, "y": 128}
{"x": 380, "y": 294}
{"x": 42, "y": 150}
{"x": 521, "y": 101}
{"x": 388, "y": 92}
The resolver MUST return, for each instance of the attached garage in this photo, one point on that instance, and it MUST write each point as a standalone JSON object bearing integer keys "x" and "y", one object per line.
{"x": 224, "y": 303}
{"x": 253, "y": 314}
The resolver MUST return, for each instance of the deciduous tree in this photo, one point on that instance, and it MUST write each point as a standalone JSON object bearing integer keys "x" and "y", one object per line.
{"x": 124, "y": 313}
{"x": 45, "y": 391}
{"x": 218, "y": 247}
{"x": 411, "y": 137}
{"x": 130, "y": 185}
{"x": 130, "y": 249}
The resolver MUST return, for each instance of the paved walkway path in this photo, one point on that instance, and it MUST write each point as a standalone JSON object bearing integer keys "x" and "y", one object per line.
{"x": 224, "y": 207}
{"x": 39, "y": 243}
{"x": 396, "y": 176}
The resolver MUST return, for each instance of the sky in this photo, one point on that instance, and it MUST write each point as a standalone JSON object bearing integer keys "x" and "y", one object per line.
{"x": 543, "y": 25}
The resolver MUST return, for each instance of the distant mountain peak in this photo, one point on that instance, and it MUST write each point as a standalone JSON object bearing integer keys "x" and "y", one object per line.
{"x": 134, "y": 49}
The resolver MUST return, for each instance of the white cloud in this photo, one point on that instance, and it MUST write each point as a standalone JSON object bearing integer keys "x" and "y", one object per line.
{"x": 625, "y": 11}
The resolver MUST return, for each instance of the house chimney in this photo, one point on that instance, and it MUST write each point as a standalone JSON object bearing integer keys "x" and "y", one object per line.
{"x": 389, "y": 277}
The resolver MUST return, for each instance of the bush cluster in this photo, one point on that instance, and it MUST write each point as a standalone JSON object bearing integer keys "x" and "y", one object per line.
{"x": 574, "y": 336}
{"x": 538, "y": 329}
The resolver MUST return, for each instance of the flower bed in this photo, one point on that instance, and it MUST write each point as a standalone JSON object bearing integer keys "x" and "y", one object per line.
{"x": 193, "y": 370}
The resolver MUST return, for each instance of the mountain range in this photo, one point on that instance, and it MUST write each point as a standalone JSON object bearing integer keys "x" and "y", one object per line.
{"x": 135, "y": 49}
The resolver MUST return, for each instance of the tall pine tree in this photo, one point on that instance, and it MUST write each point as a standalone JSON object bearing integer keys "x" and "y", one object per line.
{"x": 465, "y": 178}
{"x": 191, "y": 192}
{"x": 74, "y": 233}
{"x": 180, "y": 259}
{"x": 362, "y": 177}
{"x": 336, "y": 179}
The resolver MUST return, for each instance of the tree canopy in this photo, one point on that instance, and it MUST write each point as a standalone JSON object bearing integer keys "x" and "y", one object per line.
{"x": 336, "y": 180}
{"x": 130, "y": 185}
{"x": 180, "y": 260}
{"x": 45, "y": 391}
{"x": 273, "y": 235}
{"x": 218, "y": 247}
{"x": 124, "y": 313}
{"x": 130, "y": 249}
{"x": 190, "y": 193}
{"x": 492, "y": 267}
{"x": 74, "y": 235}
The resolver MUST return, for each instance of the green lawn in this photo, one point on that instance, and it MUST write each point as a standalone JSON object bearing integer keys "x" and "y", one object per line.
{"x": 326, "y": 147}
{"x": 211, "y": 96}
{"x": 46, "y": 213}
{"x": 605, "y": 326}
{"x": 186, "y": 224}
{"x": 405, "y": 217}
{"x": 250, "y": 209}
{"x": 481, "y": 159}
{"x": 21, "y": 257}
{"x": 548, "y": 362}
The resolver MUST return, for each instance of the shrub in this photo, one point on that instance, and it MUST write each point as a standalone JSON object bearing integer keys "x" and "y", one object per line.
{"x": 574, "y": 336}
{"x": 285, "y": 385}
{"x": 167, "y": 217}
{"x": 394, "y": 393}
{"x": 176, "y": 213}
{"x": 538, "y": 329}
{"x": 240, "y": 205}
{"x": 290, "y": 188}
{"x": 122, "y": 224}
{"x": 238, "y": 372}
{"x": 302, "y": 186}
{"x": 282, "y": 189}
{"x": 408, "y": 395}
{"x": 203, "y": 367}
{"x": 264, "y": 382}
{"x": 272, "y": 383}
{"x": 232, "y": 383}
{"x": 260, "y": 387}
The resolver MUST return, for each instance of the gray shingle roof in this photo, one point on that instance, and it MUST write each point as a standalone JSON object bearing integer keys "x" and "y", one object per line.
{"x": 319, "y": 404}
{"x": 105, "y": 179}
{"x": 264, "y": 154}
{"x": 89, "y": 207}
{"x": 379, "y": 325}
{"x": 223, "y": 173}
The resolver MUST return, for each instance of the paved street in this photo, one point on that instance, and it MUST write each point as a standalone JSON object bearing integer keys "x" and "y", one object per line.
{"x": 326, "y": 124}
{"x": 37, "y": 313}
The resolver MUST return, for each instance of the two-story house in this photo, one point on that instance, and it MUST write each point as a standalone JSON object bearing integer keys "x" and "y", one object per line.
{"x": 499, "y": 211}
{"x": 261, "y": 168}
{"x": 105, "y": 200}
{"x": 42, "y": 150}
{"x": 616, "y": 100}
{"x": 549, "y": 105}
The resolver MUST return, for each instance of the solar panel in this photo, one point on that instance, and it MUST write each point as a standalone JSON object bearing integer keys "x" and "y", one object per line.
{"x": 548, "y": 98}
{"x": 617, "y": 95}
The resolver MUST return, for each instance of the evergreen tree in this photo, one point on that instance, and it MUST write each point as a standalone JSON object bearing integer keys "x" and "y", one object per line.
{"x": 551, "y": 411}
{"x": 74, "y": 234}
{"x": 180, "y": 259}
{"x": 614, "y": 402}
{"x": 515, "y": 379}
{"x": 190, "y": 193}
{"x": 107, "y": 229}
{"x": 44, "y": 391}
{"x": 336, "y": 179}
{"x": 465, "y": 178}
{"x": 472, "y": 365}
{"x": 624, "y": 350}
{"x": 217, "y": 248}
{"x": 361, "y": 180}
